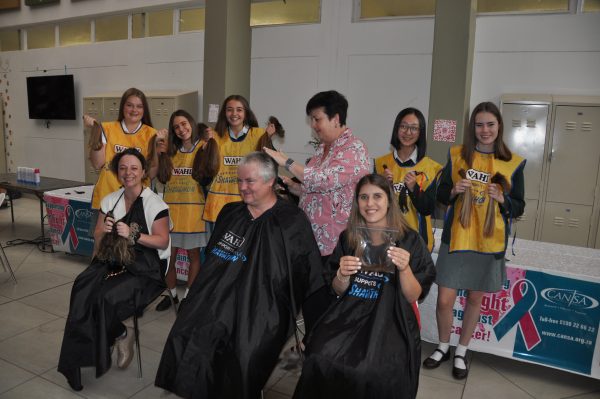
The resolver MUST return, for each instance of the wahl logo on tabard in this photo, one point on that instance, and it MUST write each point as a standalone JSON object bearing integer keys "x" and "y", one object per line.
{"x": 232, "y": 161}
{"x": 120, "y": 148}
{"x": 182, "y": 171}
{"x": 479, "y": 176}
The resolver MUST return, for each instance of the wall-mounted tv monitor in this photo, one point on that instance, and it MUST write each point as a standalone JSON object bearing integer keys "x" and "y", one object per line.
{"x": 51, "y": 97}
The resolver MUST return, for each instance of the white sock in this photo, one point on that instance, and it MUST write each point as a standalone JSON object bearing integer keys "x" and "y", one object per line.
{"x": 186, "y": 292}
{"x": 173, "y": 292}
{"x": 461, "y": 350}
{"x": 444, "y": 347}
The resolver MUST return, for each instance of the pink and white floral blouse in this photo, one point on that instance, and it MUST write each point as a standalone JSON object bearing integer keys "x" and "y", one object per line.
{"x": 328, "y": 188}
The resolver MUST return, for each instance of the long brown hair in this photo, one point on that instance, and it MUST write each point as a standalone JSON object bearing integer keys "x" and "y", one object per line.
{"x": 249, "y": 117}
{"x": 501, "y": 151}
{"x": 146, "y": 120}
{"x": 395, "y": 220}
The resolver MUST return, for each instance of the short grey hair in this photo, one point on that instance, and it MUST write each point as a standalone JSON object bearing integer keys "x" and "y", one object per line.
{"x": 267, "y": 167}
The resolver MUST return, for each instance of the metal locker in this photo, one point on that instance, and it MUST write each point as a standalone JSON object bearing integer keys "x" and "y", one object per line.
{"x": 573, "y": 175}
{"x": 566, "y": 224}
{"x": 110, "y": 108}
{"x": 575, "y": 155}
{"x": 160, "y": 111}
{"x": 524, "y": 226}
{"x": 525, "y": 127}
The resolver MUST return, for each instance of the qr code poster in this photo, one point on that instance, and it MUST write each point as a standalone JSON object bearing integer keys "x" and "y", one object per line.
{"x": 444, "y": 130}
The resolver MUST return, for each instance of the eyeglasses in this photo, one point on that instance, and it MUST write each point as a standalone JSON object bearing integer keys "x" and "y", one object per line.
{"x": 413, "y": 129}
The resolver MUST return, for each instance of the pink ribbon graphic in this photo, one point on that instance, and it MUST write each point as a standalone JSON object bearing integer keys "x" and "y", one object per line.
{"x": 524, "y": 298}
{"x": 69, "y": 229}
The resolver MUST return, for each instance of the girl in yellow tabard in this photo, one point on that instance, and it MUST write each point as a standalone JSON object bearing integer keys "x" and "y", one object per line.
{"x": 237, "y": 135}
{"x": 185, "y": 198}
{"x": 471, "y": 257}
{"x": 412, "y": 174}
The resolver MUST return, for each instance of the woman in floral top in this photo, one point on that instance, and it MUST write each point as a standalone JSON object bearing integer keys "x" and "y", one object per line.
{"x": 329, "y": 178}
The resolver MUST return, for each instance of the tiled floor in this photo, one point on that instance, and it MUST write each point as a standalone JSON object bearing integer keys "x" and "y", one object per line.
{"x": 32, "y": 318}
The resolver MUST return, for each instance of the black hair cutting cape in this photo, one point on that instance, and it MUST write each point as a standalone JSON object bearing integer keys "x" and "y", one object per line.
{"x": 238, "y": 314}
{"x": 368, "y": 345}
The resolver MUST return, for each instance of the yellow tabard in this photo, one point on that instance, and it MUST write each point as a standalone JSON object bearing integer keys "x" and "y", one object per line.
{"x": 184, "y": 195}
{"x": 224, "y": 187}
{"x": 429, "y": 169}
{"x": 480, "y": 174}
{"x": 118, "y": 141}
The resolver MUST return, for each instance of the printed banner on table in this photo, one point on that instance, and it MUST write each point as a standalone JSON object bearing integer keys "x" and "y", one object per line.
{"x": 182, "y": 264}
{"x": 69, "y": 223}
{"x": 538, "y": 317}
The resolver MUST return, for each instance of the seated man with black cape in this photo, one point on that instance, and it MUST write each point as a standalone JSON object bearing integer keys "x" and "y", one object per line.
{"x": 240, "y": 312}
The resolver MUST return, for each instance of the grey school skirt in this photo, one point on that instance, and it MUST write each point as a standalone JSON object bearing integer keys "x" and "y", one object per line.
{"x": 470, "y": 270}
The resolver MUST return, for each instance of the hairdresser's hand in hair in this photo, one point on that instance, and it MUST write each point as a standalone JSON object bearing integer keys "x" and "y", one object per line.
{"x": 278, "y": 156}
{"x": 294, "y": 187}
{"x": 410, "y": 180}
{"x": 88, "y": 121}
{"x": 460, "y": 187}
{"x": 123, "y": 229}
{"x": 495, "y": 192}
{"x": 108, "y": 224}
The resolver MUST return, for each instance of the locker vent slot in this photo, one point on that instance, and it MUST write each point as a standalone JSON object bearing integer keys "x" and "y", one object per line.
{"x": 530, "y": 122}
{"x": 573, "y": 223}
{"x": 586, "y": 126}
{"x": 558, "y": 221}
{"x": 570, "y": 125}
{"x": 516, "y": 123}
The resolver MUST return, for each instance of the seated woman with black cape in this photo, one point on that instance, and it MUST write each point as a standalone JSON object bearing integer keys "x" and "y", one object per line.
{"x": 367, "y": 344}
{"x": 123, "y": 278}
{"x": 262, "y": 262}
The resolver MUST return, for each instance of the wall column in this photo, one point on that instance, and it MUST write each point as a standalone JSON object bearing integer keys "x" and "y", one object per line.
{"x": 451, "y": 69}
{"x": 227, "y": 45}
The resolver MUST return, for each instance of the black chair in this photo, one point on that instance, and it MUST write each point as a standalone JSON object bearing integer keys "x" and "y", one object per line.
{"x": 136, "y": 330}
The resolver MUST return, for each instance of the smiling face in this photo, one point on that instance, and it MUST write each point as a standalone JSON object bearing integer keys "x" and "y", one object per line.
{"x": 373, "y": 205}
{"x": 130, "y": 171}
{"x": 324, "y": 128}
{"x": 408, "y": 131}
{"x": 133, "y": 110}
{"x": 254, "y": 190}
{"x": 182, "y": 129}
{"x": 486, "y": 130}
{"x": 235, "y": 113}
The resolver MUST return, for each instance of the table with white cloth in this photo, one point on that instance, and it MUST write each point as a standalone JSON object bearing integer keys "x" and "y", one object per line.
{"x": 69, "y": 216}
{"x": 546, "y": 313}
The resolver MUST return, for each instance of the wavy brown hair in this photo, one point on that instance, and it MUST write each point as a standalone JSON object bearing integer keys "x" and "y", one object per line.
{"x": 501, "y": 150}
{"x": 249, "y": 117}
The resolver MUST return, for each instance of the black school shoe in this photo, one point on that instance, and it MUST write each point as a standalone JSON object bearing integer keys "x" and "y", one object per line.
{"x": 165, "y": 303}
{"x": 431, "y": 363}
{"x": 460, "y": 374}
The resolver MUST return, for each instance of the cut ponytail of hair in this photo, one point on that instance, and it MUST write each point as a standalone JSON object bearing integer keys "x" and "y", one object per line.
{"x": 467, "y": 204}
{"x": 490, "y": 216}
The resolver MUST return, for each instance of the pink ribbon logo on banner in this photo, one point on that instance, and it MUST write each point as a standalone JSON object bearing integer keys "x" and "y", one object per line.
{"x": 524, "y": 298}
{"x": 69, "y": 230}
